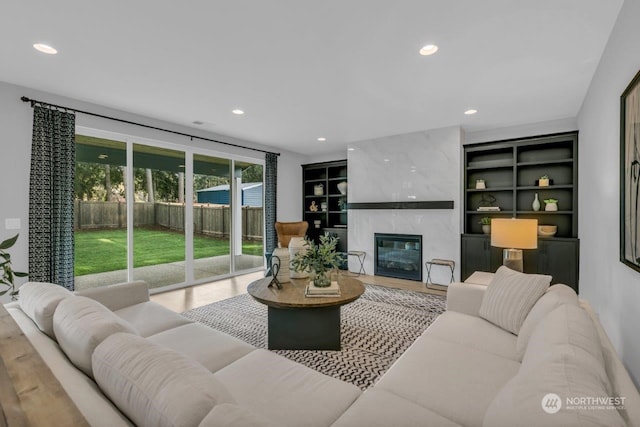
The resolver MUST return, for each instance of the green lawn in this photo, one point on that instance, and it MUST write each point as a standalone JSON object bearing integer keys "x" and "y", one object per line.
{"x": 106, "y": 250}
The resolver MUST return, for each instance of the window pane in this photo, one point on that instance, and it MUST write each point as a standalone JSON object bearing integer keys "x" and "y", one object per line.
{"x": 249, "y": 246}
{"x": 211, "y": 217}
{"x": 100, "y": 212}
{"x": 158, "y": 231}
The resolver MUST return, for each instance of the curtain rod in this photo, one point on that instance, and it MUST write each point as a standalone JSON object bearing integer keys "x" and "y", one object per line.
{"x": 46, "y": 104}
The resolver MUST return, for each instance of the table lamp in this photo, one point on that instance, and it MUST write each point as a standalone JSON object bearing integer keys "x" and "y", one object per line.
{"x": 514, "y": 235}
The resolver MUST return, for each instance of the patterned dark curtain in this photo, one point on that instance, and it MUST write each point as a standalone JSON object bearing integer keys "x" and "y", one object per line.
{"x": 270, "y": 206}
{"x": 51, "y": 192}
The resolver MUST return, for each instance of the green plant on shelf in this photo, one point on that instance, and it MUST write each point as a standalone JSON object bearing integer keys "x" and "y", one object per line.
{"x": 551, "y": 201}
{"x": 485, "y": 220}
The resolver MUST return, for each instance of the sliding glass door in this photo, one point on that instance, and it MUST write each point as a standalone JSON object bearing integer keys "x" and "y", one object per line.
{"x": 212, "y": 219}
{"x": 100, "y": 217}
{"x": 188, "y": 217}
{"x": 159, "y": 216}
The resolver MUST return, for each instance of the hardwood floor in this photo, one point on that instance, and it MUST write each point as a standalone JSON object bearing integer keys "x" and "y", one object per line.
{"x": 196, "y": 296}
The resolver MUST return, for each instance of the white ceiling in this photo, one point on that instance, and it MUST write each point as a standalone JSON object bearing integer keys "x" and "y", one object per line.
{"x": 347, "y": 70}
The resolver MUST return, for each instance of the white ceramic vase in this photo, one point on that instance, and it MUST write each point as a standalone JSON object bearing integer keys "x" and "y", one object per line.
{"x": 297, "y": 245}
{"x": 342, "y": 187}
{"x": 551, "y": 207}
{"x": 536, "y": 203}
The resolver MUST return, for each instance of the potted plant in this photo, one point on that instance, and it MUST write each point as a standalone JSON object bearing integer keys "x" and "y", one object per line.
{"x": 543, "y": 181}
{"x": 8, "y": 275}
{"x": 486, "y": 225}
{"x": 551, "y": 205}
{"x": 319, "y": 259}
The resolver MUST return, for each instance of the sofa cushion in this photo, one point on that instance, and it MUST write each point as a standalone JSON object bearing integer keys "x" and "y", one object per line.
{"x": 211, "y": 348}
{"x": 80, "y": 324}
{"x": 98, "y": 410}
{"x": 379, "y": 408}
{"x": 155, "y": 386}
{"x": 150, "y": 318}
{"x": 510, "y": 296}
{"x": 39, "y": 301}
{"x": 286, "y": 392}
{"x": 448, "y": 378}
{"x": 555, "y": 296}
{"x": 474, "y": 332}
{"x": 228, "y": 415}
{"x": 569, "y": 374}
{"x": 567, "y": 324}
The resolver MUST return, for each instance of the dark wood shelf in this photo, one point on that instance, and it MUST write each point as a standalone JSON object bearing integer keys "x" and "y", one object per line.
{"x": 541, "y": 212}
{"x": 546, "y": 162}
{"x": 329, "y": 174}
{"x": 550, "y": 187}
{"x": 488, "y": 190}
{"x": 509, "y": 166}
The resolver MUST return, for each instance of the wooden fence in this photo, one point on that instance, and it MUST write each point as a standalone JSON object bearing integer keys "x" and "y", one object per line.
{"x": 210, "y": 220}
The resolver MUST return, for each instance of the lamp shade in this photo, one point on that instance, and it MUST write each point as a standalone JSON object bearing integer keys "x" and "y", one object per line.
{"x": 514, "y": 233}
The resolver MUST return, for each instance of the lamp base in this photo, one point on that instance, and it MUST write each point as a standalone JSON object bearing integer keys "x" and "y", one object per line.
{"x": 512, "y": 258}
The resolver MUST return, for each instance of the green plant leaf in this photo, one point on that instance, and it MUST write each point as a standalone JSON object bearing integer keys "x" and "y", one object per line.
{"x": 9, "y": 242}
{"x": 20, "y": 274}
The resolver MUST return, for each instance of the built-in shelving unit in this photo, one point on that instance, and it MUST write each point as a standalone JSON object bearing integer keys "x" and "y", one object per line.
{"x": 510, "y": 170}
{"x": 333, "y": 218}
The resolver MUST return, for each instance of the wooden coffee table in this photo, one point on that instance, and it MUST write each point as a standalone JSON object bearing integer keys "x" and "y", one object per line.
{"x": 297, "y": 322}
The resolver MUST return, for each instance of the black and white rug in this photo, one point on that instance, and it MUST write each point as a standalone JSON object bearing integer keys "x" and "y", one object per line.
{"x": 376, "y": 329}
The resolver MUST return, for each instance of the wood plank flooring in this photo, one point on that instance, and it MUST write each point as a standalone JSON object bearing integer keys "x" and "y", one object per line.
{"x": 196, "y": 296}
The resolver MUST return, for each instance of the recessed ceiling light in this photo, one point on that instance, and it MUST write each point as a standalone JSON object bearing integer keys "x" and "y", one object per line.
{"x": 322, "y": 139}
{"x": 386, "y": 160}
{"x": 237, "y": 111}
{"x": 351, "y": 149}
{"x": 470, "y": 112}
{"x": 429, "y": 49}
{"x": 45, "y": 48}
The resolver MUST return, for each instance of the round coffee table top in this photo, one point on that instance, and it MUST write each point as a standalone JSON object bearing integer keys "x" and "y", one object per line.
{"x": 292, "y": 294}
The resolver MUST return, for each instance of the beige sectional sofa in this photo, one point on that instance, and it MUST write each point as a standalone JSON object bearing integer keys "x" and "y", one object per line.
{"x": 150, "y": 366}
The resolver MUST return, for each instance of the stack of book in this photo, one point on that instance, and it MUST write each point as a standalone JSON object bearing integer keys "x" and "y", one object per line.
{"x": 327, "y": 291}
{"x": 488, "y": 208}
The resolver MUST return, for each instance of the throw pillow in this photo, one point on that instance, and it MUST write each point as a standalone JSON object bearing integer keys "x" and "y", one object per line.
{"x": 39, "y": 301}
{"x": 153, "y": 385}
{"x": 510, "y": 296}
{"x": 80, "y": 324}
{"x": 555, "y": 296}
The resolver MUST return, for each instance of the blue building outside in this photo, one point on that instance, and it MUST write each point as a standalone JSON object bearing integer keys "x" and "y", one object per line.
{"x": 220, "y": 194}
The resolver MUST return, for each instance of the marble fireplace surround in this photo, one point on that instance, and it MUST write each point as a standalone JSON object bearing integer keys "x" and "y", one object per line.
{"x": 407, "y": 184}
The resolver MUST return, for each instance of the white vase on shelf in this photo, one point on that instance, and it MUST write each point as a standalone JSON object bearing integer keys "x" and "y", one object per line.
{"x": 342, "y": 187}
{"x": 536, "y": 203}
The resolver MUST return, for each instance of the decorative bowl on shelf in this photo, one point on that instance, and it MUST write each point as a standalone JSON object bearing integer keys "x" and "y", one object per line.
{"x": 547, "y": 230}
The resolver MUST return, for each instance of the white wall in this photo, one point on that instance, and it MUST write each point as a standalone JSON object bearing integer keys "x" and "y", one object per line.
{"x": 612, "y": 288}
{"x": 15, "y": 143}
{"x": 421, "y": 166}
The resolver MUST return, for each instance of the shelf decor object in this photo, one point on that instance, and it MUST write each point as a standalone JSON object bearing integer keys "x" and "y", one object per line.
{"x": 536, "y": 203}
{"x": 513, "y": 235}
{"x": 630, "y": 174}
{"x": 342, "y": 187}
{"x": 551, "y": 205}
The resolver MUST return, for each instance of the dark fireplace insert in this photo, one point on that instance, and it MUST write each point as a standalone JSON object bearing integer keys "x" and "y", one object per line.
{"x": 398, "y": 255}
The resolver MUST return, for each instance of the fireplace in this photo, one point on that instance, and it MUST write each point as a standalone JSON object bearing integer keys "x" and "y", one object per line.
{"x": 398, "y": 255}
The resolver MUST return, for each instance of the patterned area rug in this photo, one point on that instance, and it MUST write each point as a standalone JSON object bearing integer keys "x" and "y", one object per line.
{"x": 376, "y": 329}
